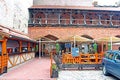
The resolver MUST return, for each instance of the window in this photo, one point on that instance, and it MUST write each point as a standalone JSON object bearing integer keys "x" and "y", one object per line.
{"x": 107, "y": 54}
{"x": 24, "y": 49}
{"x": 12, "y": 46}
{"x": 117, "y": 57}
{"x": 110, "y": 56}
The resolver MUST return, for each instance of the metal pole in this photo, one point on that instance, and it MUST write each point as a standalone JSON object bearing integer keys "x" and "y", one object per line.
{"x": 39, "y": 48}
{"x": 74, "y": 41}
{"x": 111, "y": 42}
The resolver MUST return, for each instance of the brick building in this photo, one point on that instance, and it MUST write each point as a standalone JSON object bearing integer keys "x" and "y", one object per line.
{"x": 65, "y": 21}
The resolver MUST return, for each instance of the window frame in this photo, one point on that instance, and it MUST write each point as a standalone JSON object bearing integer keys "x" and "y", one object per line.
{"x": 117, "y": 56}
{"x": 111, "y": 56}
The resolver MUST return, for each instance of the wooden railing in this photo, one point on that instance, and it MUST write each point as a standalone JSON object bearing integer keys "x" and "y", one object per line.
{"x": 14, "y": 60}
{"x": 82, "y": 58}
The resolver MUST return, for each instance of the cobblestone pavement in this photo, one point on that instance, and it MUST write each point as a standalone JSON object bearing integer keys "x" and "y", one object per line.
{"x": 84, "y": 75}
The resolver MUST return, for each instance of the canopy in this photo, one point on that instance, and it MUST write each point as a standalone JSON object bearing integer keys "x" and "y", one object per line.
{"x": 110, "y": 39}
{"x": 75, "y": 38}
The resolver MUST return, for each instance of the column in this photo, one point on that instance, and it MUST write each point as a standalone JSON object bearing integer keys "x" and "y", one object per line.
{"x": 20, "y": 46}
{"x": 99, "y": 19}
{"x": 4, "y": 47}
{"x": 111, "y": 19}
{"x": 59, "y": 14}
{"x": 70, "y": 17}
{"x": 33, "y": 21}
{"x": 29, "y": 46}
{"x": 46, "y": 18}
{"x": 4, "y": 56}
{"x": 84, "y": 14}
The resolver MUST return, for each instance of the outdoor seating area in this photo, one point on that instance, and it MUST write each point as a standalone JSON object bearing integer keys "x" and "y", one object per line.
{"x": 80, "y": 56}
{"x": 82, "y": 59}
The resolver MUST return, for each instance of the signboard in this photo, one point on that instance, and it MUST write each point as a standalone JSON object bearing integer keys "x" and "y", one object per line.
{"x": 75, "y": 52}
{"x": 67, "y": 45}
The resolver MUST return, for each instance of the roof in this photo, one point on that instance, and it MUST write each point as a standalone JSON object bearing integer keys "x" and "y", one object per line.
{"x": 12, "y": 34}
{"x": 75, "y": 7}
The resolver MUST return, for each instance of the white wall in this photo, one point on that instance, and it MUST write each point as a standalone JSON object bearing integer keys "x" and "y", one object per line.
{"x": 14, "y": 14}
{"x": 108, "y": 2}
{"x": 64, "y": 2}
{"x": 6, "y": 13}
{"x": 21, "y": 14}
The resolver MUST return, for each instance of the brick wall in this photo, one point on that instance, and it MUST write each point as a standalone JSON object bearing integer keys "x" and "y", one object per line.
{"x": 63, "y": 32}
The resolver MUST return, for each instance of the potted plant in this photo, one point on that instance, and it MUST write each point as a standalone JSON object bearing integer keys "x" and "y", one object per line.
{"x": 54, "y": 71}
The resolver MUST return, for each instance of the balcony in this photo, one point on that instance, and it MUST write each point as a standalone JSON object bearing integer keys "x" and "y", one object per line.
{"x": 74, "y": 22}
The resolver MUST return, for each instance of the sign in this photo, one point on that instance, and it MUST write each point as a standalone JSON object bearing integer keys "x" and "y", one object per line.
{"x": 67, "y": 45}
{"x": 75, "y": 52}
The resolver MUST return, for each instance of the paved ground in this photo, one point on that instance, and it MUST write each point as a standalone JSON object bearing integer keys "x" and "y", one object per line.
{"x": 84, "y": 75}
{"x": 36, "y": 69}
{"x": 39, "y": 69}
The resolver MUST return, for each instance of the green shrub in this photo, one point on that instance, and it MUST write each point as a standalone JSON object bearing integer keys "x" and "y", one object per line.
{"x": 54, "y": 66}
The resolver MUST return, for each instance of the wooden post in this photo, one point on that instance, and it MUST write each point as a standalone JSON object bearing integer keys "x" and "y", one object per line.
{"x": 4, "y": 56}
{"x": 34, "y": 45}
{"x": 51, "y": 64}
{"x": 28, "y": 46}
{"x": 4, "y": 47}
{"x": 20, "y": 46}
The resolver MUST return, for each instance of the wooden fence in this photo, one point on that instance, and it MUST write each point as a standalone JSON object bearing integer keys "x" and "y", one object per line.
{"x": 82, "y": 58}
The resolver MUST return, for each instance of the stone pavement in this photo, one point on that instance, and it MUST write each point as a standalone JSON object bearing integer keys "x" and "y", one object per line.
{"x": 84, "y": 75}
{"x": 35, "y": 69}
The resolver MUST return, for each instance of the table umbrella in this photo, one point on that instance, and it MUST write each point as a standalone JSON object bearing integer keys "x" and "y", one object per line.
{"x": 110, "y": 39}
{"x": 74, "y": 39}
